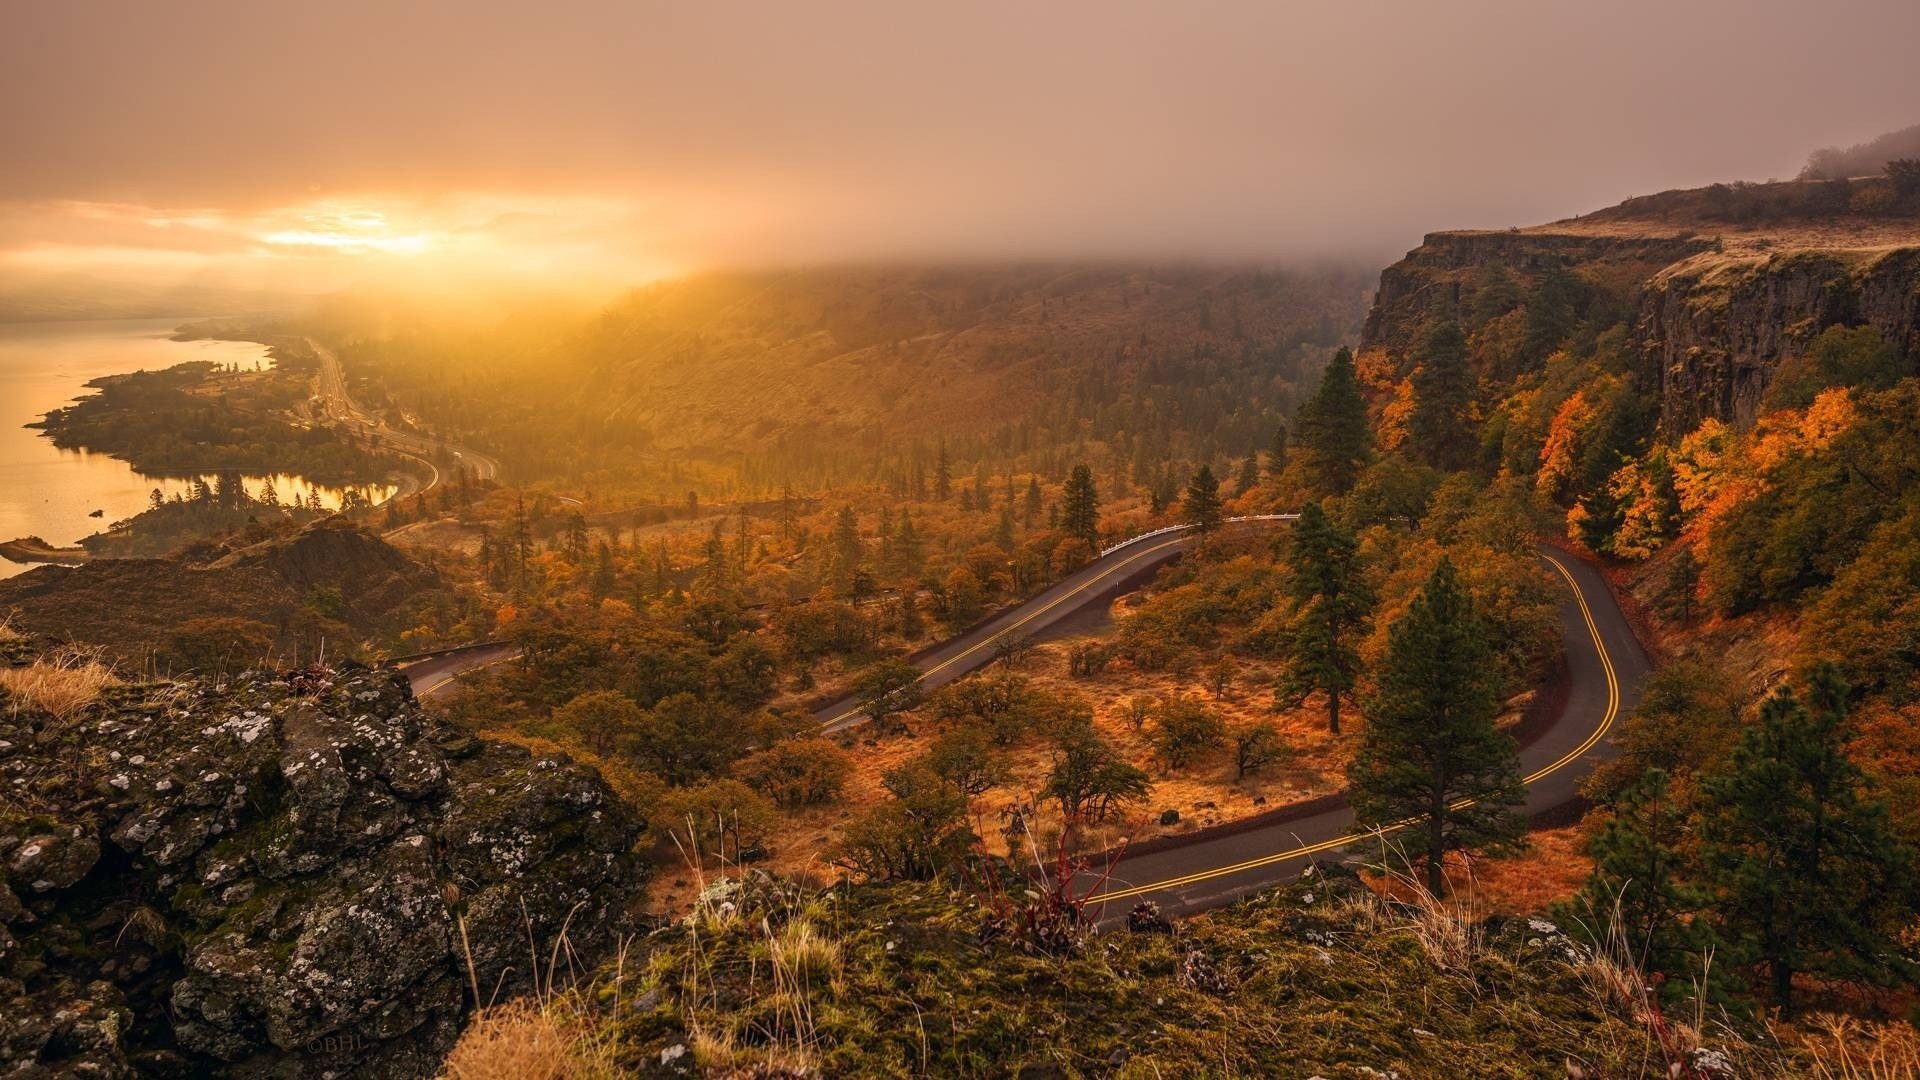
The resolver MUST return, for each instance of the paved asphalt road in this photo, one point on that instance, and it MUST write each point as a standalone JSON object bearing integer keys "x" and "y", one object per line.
{"x": 340, "y": 407}
{"x": 1605, "y": 669}
{"x": 1121, "y": 568}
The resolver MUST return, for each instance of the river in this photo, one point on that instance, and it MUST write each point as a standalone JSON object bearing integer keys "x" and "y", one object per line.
{"x": 49, "y": 492}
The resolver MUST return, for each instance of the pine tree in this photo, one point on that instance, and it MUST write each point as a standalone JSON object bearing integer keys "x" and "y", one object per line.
{"x": 1277, "y": 452}
{"x": 1331, "y": 429}
{"x": 1249, "y": 476}
{"x": 1682, "y": 585}
{"x": 942, "y": 475}
{"x": 1806, "y": 874}
{"x": 1031, "y": 512}
{"x": 603, "y": 576}
{"x": 1431, "y": 752}
{"x": 1332, "y": 610}
{"x": 576, "y": 550}
{"x": 1201, "y": 505}
{"x": 846, "y": 546}
{"x": 1438, "y": 431}
{"x": 1080, "y": 506}
{"x": 1639, "y": 884}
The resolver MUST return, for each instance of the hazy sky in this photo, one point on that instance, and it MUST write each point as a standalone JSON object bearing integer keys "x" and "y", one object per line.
{"x": 625, "y": 138}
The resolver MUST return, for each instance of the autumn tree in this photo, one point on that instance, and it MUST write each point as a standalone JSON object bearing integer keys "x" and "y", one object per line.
{"x": 966, "y": 759}
{"x": 1331, "y": 428}
{"x": 914, "y": 835}
{"x": 1431, "y": 753}
{"x": 1806, "y": 874}
{"x": 887, "y": 689}
{"x": 798, "y": 771}
{"x": 1088, "y": 777}
{"x": 599, "y": 719}
{"x": 1183, "y": 730}
{"x": 1080, "y": 506}
{"x": 1256, "y": 745}
{"x": 1333, "y": 608}
{"x": 1438, "y": 430}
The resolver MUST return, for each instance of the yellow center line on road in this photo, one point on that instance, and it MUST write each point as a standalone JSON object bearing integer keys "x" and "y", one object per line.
{"x": 1598, "y": 733}
{"x": 1029, "y": 617}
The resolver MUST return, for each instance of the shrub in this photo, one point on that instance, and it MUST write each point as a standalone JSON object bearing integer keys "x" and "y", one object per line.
{"x": 718, "y": 818}
{"x": 1184, "y": 730}
{"x": 801, "y": 771}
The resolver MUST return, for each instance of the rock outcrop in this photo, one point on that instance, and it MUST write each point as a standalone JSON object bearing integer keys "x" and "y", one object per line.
{"x": 289, "y": 876}
{"x": 1714, "y": 328}
{"x": 1713, "y": 306}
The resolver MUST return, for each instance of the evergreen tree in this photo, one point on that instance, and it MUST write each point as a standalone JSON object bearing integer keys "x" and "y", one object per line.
{"x": 1438, "y": 431}
{"x": 1331, "y": 429}
{"x": 1201, "y": 505}
{"x": 1682, "y": 585}
{"x": 1638, "y": 883}
{"x": 1080, "y": 506}
{"x": 1249, "y": 476}
{"x": 846, "y": 546}
{"x": 1806, "y": 874}
{"x": 1332, "y": 609}
{"x": 942, "y": 475}
{"x": 1431, "y": 752}
{"x": 1031, "y": 512}
{"x": 603, "y": 577}
{"x": 576, "y": 537}
{"x": 1277, "y": 452}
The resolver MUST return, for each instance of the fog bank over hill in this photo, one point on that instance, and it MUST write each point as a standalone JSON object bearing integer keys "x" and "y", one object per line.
{"x": 613, "y": 141}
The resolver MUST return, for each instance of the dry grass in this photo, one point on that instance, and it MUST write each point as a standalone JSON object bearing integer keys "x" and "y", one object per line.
{"x": 526, "y": 1040}
{"x": 62, "y": 687}
{"x": 1842, "y": 1048}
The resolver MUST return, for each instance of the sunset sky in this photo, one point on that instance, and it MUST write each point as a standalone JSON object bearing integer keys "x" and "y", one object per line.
{"x": 311, "y": 145}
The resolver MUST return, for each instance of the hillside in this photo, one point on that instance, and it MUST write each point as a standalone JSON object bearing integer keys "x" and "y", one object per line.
{"x": 833, "y": 374}
{"x": 1322, "y": 978}
{"x": 329, "y": 582}
{"x": 1718, "y": 387}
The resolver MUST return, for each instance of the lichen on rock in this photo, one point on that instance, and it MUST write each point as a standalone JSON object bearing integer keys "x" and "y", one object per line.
{"x": 273, "y": 877}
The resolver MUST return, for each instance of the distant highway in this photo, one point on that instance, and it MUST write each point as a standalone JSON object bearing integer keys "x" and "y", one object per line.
{"x": 338, "y": 405}
{"x": 1119, "y": 569}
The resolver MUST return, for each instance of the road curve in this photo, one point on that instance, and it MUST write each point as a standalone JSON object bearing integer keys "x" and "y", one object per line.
{"x": 1119, "y": 568}
{"x": 338, "y": 405}
{"x": 1605, "y": 669}
{"x": 434, "y": 674}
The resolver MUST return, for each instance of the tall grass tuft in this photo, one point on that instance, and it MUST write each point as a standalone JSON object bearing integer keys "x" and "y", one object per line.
{"x": 62, "y": 687}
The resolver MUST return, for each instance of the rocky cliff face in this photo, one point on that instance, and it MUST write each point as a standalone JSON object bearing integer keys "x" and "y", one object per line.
{"x": 1714, "y": 315}
{"x": 1713, "y": 329}
{"x": 1436, "y": 280}
{"x": 291, "y": 876}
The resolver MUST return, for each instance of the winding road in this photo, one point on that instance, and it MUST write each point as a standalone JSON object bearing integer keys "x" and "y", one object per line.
{"x": 1605, "y": 667}
{"x": 338, "y": 405}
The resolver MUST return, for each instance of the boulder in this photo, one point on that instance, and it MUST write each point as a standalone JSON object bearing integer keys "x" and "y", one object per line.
{"x": 285, "y": 876}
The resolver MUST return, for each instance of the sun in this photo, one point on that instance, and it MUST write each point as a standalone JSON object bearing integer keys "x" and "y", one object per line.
{"x": 348, "y": 232}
